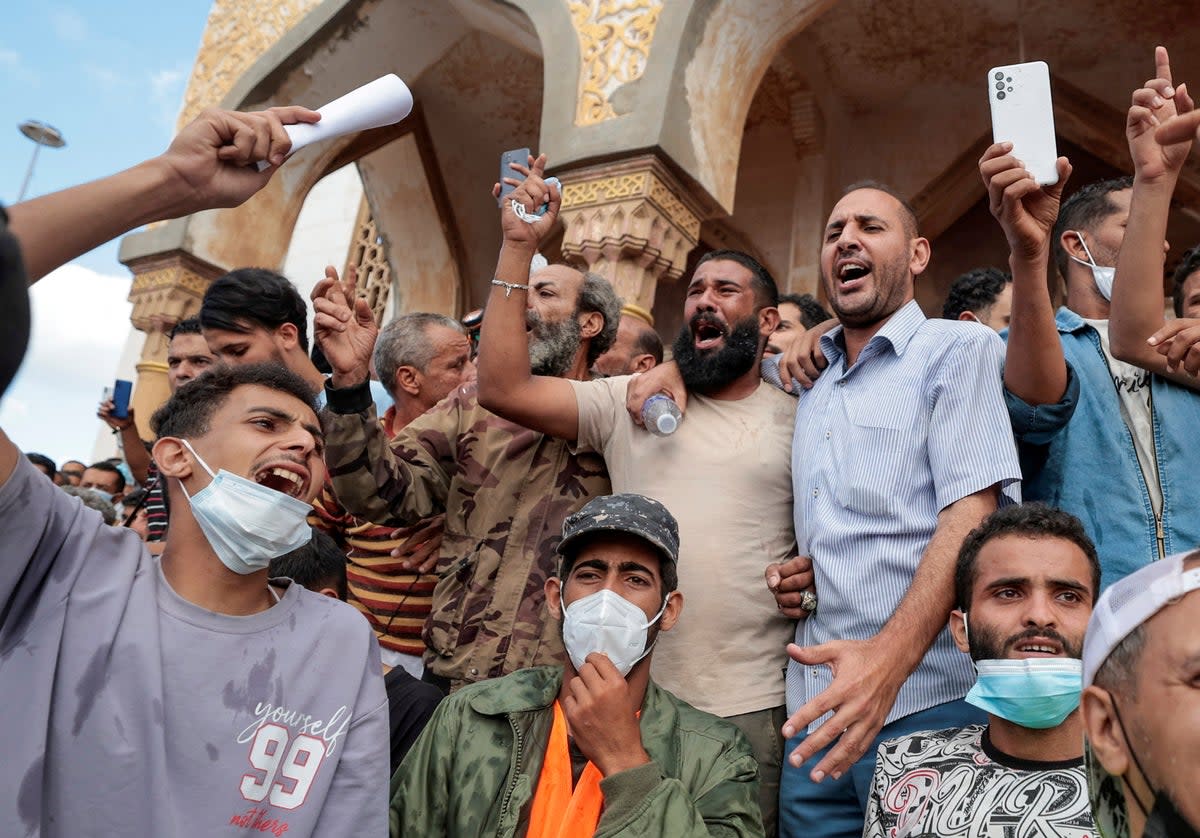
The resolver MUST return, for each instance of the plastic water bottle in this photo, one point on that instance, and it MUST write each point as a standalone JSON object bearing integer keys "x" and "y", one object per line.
{"x": 661, "y": 415}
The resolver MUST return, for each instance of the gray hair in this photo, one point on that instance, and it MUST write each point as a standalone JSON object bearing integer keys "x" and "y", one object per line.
{"x": 597, "y": 294}
{"x": 93, "y": 499}
{"x": 404, "y": 343}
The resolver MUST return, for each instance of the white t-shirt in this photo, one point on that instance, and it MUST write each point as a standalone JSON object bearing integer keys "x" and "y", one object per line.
{"x": 955, "y": 784}
{"x": 726, "y": 476}
{"x": 1133, "y": 392}
{"x": 130, "y": 711}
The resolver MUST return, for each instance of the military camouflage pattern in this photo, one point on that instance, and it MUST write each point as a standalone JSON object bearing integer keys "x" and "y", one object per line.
{"x": 506, "y": 491}
{"x": 628, "y": 513}
{"x": 475, "y": 768}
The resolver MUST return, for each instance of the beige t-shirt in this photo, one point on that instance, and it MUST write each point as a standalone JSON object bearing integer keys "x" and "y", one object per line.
{"x": 726, "y": 476}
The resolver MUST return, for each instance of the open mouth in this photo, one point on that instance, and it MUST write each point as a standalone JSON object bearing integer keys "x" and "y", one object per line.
{"x": 707, "y": 334}
{"x": 1038, "y": 647}
{"x": 851, "y": 270}
{"x": 281, "y": 478}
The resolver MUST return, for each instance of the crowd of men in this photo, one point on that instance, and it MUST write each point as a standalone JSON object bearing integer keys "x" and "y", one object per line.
{"x": 889, "y": 576}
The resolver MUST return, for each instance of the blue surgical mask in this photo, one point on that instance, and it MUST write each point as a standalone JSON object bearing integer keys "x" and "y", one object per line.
{"x": 1037, "y": 693}
{"x": 247, "y": 524}
{"x": 1103, "y": 276}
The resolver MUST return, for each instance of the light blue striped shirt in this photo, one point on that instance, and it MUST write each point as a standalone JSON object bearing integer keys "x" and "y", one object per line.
{"x": 879, "y": 450}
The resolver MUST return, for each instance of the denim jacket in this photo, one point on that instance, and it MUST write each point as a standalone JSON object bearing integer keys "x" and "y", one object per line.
{"x": 1078, "y": 455}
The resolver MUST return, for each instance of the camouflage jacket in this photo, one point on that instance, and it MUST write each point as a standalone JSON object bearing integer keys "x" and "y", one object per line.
{"x": 475, "y": 767}
{"x": 505, "y": 490}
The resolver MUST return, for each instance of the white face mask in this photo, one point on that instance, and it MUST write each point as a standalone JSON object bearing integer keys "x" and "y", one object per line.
{"x": 607, "y": 622}
{"x": 247, "y": 524}
{"x": 1103, "y": 276}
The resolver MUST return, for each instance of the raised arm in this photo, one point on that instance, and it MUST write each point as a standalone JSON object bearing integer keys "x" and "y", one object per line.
{"x": 1035, "y": 369}
{"x": 1137, "y": 303}
{"x": 209, "y": 164}
{"x": 506, "y": 385}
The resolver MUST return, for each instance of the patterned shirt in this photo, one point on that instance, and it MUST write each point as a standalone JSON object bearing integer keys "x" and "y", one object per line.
{"x": 880, "y": 449}
{"x": 505, "y": 491}
{"x": 955, "y": 784}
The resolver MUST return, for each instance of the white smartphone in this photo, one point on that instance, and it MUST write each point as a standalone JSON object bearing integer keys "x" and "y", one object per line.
{"x": 1023, "y": 114}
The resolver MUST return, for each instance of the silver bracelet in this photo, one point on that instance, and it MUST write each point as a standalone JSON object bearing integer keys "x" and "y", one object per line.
{"x": 509, "y": 287}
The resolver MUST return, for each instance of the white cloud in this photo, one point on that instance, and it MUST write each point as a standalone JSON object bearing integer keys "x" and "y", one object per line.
{"x": 106, "y": 77}
{"x": 80, "y": 326}
{"x": 12, "y": 63}
{"x": 166, "y": 93}
{"x": 69, "y": 25}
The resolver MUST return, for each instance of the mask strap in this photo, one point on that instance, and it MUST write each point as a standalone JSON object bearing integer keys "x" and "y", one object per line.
{"x": 1083, "y": 244}
{"x": 200, "y": 460}
{"x": 1137, "y": 798}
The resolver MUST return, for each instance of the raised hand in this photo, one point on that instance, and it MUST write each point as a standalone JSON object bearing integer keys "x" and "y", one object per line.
{"x": 1025, "y": 209}
{"x": 105, "y": 414}
{"x": 1157, "y": 103}
{"x": 864, "y": 688}
{"x": 1179, "y": 342}
{"x": 531, "y": 194}
{"x": 602, "y": 717}
{"x": 214, "y": 154}
{"x": 344, "y": 327}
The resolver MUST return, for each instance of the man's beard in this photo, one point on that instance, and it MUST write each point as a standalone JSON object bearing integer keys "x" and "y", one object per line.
{"x": 985, "y": 643}
{"x": 552, "y": 346}
{"x": 886, "y": 297}
{"x": 707, "y": 371}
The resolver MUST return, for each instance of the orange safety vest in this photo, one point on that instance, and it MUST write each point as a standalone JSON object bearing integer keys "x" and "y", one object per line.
{"x": 559, "y": 811}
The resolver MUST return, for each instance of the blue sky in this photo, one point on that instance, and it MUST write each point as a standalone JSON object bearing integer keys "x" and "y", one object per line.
{"x": 111, "y": 78}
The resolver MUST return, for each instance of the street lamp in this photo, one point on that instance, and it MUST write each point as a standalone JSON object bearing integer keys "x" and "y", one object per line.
{"x": 41, "y": 134}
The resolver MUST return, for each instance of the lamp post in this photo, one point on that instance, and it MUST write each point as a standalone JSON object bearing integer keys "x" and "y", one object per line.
{"x": 42, "y": 135}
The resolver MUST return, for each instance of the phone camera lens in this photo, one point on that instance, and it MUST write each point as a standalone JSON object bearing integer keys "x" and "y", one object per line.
{"x": 1000, "y": 95}
{"x": 1010, "y": 90}
{"x": 999, "y": 76}
{"x": 1009, "y": 79}
{"x": 999, "y": 85}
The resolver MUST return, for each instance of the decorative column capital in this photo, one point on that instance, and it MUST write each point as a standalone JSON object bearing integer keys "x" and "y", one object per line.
{"x": 168, "y": 287}
{"x": 632, "y": 221}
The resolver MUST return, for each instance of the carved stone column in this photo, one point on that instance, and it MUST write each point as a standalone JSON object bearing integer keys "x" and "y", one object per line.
{"x": 167, "y": 287}
{"x": 632, "y": 221}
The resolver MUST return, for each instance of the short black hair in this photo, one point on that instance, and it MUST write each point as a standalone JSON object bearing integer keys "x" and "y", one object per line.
{"x": 667, "y": 569}
{"x": 318, "y": 564}
{"x": 190, "y": 409}
{"x": 107, "y": 465}
{"x": 766, "y": 291}
{"x": 911, "y": 226}
{"x": 975, "y": 291}
{"x": 247, "y": 298}
{"x": 1188, "y": 265}
{"x": 43, "y": 462}
{"x": 812, "y": 312}
{"x": 1032, "y": 520}
{"x": 187, "y": 326}
{"x": 1084, "y": 210}
{"x": 647, "y": 341}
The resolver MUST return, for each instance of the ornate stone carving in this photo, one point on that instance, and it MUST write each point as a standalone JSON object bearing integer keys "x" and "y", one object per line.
{"x": 238, "y": 32}
{"x": 632, "y": 222}
{"x": 615, "y": 37}
{"x": 369, "y": 256}
{"x": 167, "y": 287}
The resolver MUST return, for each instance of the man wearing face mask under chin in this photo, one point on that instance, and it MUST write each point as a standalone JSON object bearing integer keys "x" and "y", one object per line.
{"x": 1025, "y": 582}
{"x": 1141, "y": 703}
{"x": 593, "y": 746}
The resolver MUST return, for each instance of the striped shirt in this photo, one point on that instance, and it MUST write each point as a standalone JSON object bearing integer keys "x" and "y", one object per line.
{"x": 879, "y": 450}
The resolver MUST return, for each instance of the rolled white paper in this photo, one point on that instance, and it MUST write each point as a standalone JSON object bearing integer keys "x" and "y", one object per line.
{"x": 385, "y": 101}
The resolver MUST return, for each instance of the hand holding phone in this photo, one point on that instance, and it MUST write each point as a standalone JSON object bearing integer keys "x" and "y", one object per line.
{"x": 1023, "y": 114}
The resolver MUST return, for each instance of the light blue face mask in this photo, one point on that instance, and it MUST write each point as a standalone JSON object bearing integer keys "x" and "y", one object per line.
{"x": 1104, "y": 276}
{"x": 1037, "y": 693}
{"x": 247, "y": 524}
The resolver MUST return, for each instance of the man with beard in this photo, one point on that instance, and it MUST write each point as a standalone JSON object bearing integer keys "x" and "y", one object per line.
{"x": 728, "y": 658}
{"x": 1025, "y": 582}
{"x": 505, "y": 488}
